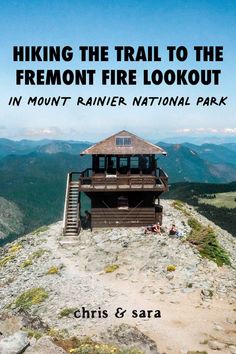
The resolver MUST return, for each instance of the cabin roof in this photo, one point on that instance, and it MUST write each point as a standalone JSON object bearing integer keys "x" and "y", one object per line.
{"x": 109, "y": 146}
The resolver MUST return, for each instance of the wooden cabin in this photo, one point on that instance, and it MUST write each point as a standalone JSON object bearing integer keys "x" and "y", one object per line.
{"x": 124, "y": 184}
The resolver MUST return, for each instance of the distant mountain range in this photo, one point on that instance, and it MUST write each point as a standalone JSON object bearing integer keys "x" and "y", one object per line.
{"x": 33, "y": 173}
{"x": 207, "y": 163}
{"x": 23, "y": 147}
{"x": 215, "y": 153}
{"x": 199, "y": 140}
{"x": 210, "y": 163}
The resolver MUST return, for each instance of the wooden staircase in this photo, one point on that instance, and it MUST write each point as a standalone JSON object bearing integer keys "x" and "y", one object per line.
{"x": 71, "y": 222}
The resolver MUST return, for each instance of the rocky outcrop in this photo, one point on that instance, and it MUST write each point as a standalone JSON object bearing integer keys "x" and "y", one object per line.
{"x": 14, "y": 344}
{"x": 45, "y": 278}
{"x": 130, "y": 337}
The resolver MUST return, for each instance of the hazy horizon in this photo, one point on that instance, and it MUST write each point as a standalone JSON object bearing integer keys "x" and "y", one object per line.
{"x": 197, "y": 140}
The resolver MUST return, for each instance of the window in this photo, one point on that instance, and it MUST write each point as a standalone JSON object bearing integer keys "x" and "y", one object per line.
{"x": 123, "y": 141}
{"x": 123, "y": 162}
{"x": 101, "y": 162}
{"x": 134, "y": 162}
{"x": 127, "y": 141}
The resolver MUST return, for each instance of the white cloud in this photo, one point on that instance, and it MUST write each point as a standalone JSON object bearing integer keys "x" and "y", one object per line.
{"x": 51, "y": 132}
{"x": 231, "y": 131}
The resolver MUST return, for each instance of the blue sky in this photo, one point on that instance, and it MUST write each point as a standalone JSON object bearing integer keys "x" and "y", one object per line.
{"x": 111, "y": 23}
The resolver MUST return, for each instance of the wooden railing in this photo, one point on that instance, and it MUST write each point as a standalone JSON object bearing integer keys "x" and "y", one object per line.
{"x": 72, "y": 176}
{"x": 88, "y": 180}
{"x": 66, "y": 202}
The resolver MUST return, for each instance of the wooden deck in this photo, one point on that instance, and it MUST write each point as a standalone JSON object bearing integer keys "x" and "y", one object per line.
{"x": 131, "y": 182}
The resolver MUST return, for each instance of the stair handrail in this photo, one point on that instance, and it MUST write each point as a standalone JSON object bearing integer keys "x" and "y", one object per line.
{"x": 66, "y": 201}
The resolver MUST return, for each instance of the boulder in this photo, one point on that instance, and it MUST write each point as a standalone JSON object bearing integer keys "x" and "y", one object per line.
{"x": 9, "y": 325}
{"x": 130, "y": 337}
{"x": 14, "y": 344}
{"x": 232, "y": 349}
{"x": 214, "y": 345}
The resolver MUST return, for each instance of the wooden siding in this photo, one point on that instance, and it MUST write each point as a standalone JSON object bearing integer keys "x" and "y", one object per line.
{"x": 113, "y": 217}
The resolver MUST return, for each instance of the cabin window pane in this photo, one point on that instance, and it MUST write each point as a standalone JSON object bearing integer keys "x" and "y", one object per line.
{"x": 119, "y": 141}
{"x": 101, "y": 162}
{"x": 134, "y": 162}
{"x": 127, "y": 141}
{"x": 123, "y": 141}
{"x": 123, "y": 162}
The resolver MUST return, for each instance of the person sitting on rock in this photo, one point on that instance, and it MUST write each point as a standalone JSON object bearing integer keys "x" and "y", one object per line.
{"x": 156, "y": 228}
{"x": 173, "y": 230}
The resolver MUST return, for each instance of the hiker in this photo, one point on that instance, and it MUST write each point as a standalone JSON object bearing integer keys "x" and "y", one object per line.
{"x": 87, "y": 220}
{"x": 156, "y": 228}
{"x": 173, "y": 230}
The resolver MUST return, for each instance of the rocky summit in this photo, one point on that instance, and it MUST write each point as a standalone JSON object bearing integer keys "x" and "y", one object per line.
{"x": 121, "y": 290}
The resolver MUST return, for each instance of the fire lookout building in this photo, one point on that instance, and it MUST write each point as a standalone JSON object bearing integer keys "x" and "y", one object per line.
{"x": 124, "y": 185}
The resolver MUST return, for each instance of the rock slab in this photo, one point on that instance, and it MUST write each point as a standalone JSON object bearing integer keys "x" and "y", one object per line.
{"x": 14, "y": 344}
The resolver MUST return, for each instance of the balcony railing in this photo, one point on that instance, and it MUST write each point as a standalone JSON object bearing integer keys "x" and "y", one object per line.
{"x": 88, "y": 181}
